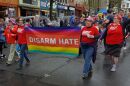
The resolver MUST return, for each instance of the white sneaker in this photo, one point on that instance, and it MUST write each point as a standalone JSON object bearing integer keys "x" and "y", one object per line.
{"x": 113, "y": 69}
{"x": 124, "y": 48}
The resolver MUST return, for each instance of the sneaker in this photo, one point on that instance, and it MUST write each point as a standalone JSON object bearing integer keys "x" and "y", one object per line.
{"x": 17, "y": 59}
{"x": 8, "y": 64}
{"x": 90, "y": 69}
{"x": 85, "y": 76}
{"x": 27, "y": 63}
{"x": 113, "y": 69}
{"x": 124, "y": 48}
{"x": 2, "y": 56}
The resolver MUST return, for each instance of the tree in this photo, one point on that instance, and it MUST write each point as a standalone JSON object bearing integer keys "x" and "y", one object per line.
{"x": 113, "y": 3}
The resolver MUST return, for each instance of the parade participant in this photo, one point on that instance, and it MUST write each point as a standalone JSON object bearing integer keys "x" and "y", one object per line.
{"x": 122, "y": 14}
{"x": 82, "y": 22}
{"x": 71, "y": 19}
{"x": 114, "y": 40}
{"x": 18, "y": 53}
{"x": 2, "y": 39}
{"x": 124, "y": 19}
{"x": 2, "y": 26}
{"x": 10, "y": 34}
{"x": 76, "y": 22}
{"x": 106, "y": 22}
{"x": 88, "y": 45}
{"x": 22, "y": 42}
{"x": 27, "y": 23}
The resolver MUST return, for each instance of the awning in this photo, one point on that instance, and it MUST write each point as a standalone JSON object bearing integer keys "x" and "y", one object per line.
{"x": 28, "y": 8}
{"x": 8, "y": 4}
{"x": 46, "y": 11}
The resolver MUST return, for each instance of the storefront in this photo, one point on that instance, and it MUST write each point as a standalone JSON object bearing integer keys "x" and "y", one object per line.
{"x": 27, "y": 11}
{"x": 62, "y": 10}
{"x": 54, "y": 12}
{"x": 71, "y": 10}
{"x": 8, "y": 8}
{"x": 31, "y": 8}
{"x": 44, "y": 7}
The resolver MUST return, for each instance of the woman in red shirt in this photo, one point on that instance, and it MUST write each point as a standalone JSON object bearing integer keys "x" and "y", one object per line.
{"x": 114, "y": 40}
{"x": 10, "y": 34}
{"x": 22, "y": 42}
{"x": 88, "y": 45}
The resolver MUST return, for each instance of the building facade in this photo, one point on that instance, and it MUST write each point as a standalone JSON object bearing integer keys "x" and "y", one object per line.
{"x": 95, "y": 5}
{"x": 62, "y": 8}
{"x": 125, "y": 5}
{"x": 29, "y": 7}
{"x": 44, "y": 7}
{"x": 8, "y": 8}
{"x": 104, "y": 4}
{"x": 71, "y": 7}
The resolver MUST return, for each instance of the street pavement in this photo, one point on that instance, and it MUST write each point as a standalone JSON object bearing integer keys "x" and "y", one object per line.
{"x": 53, "y": 70}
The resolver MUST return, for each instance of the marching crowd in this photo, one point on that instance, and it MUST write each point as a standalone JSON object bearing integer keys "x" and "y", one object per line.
{"x": 15, "y": 35}
{"x": 110, "y": 28}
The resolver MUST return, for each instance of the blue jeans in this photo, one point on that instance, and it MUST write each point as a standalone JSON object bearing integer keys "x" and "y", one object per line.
{"x": 87, "y": 54}
{"x": 17, "y": 47}
{"x": 23, "y": 54}
{"x": 18, "y": 50}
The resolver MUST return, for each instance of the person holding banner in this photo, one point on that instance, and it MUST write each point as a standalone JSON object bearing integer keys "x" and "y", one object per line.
{"x": 10, "y": 34}
{"x": 88, "y": 45}
{"x": 22, "y": 42}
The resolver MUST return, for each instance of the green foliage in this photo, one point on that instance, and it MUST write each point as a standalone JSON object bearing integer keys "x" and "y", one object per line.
{"x": 114, "y": 3}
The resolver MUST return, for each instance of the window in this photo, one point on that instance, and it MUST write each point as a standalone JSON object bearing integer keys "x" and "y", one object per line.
{"x": 57, "y": 0}
{"x": 27, "y": 1}
{"x": 127, "y": 5}
{"x": 33, "y": 2}
{"x": 123, "y": 5}
{"x": 60, "y": 1}
{"x": 66, "y": 1}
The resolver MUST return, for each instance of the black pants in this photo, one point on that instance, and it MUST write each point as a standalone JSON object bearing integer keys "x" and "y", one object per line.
{"x": 1, "y": 47}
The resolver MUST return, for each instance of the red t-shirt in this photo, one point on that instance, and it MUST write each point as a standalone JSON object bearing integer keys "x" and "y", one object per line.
{"x": 21, "y": 35}
{"x": 114, "y": 34}
{"x": 10, "y": 34}
{"x": 93, "y": 31}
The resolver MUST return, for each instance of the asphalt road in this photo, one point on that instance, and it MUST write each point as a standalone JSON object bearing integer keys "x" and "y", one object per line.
{"x": 51, "y": 70}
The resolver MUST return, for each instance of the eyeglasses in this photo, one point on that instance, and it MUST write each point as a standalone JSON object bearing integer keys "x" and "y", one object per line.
{"x": 20, "y": 20}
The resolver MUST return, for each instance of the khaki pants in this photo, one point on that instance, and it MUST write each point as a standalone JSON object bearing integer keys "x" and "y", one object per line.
{"x": 11, "y": 54}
